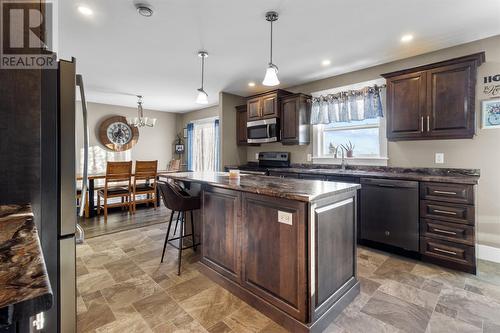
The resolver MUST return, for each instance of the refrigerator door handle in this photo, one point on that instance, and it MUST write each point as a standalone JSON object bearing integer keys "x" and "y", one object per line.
{"x": 85, "y": 180}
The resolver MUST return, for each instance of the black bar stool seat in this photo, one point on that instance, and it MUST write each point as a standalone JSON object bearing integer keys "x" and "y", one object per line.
{"x": 178, "y": 200}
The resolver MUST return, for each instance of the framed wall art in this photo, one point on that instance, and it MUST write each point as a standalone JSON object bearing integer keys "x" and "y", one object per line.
{"x": 490, "y": 113}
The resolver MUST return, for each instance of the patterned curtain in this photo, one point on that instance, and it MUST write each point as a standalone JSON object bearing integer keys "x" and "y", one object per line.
{"x": 190, "y": 132}
{"x": 204, "y": 146}
{"x": 217, "y": 145}
{"x": 347, "y": 106}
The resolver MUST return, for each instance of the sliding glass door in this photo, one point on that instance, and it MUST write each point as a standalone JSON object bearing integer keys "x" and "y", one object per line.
{"x": 203, "y": 145}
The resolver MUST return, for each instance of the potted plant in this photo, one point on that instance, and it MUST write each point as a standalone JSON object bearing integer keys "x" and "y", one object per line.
{"x": 349, "y": 149}
{"x": 333, "y": 149}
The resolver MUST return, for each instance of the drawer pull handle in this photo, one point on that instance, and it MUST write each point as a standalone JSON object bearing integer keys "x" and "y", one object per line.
{"x": 445, "y": 251}
{"x": 445, "y": 192}
{"x": 445, "y": 231}
{"x": 444, "y": 212}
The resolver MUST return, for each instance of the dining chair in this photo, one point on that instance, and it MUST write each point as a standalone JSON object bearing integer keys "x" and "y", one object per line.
{"x": 145, "y": 182}
{"x": 117, "y": 184}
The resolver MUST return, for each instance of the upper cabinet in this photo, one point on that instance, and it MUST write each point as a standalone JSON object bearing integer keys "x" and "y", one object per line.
{"x": 295, "y": 126}
{"x": 434, "y": 101}
{"x": 264, "y": 106}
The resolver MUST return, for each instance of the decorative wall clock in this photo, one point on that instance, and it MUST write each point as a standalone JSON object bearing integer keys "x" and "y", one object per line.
{"x": 117, "y": 135}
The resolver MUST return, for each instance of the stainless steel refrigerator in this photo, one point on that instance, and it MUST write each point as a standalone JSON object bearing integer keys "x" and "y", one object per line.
{"x": 58, "y": 192}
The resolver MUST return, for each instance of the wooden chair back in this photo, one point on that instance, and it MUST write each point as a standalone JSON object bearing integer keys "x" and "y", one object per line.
{"x": 174, "y": 165}
{"x": 118, "y": 172}
{"x": 146, "y": 170}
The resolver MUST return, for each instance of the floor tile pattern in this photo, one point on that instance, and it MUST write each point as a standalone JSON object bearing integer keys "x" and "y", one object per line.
{"x": 122, "y": 287}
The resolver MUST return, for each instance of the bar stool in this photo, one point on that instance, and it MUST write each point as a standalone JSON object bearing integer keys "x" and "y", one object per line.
{"x": 178, "y": 200}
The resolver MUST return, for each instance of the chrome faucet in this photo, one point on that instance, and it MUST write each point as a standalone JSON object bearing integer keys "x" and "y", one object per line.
{"x": 343, "y": 164}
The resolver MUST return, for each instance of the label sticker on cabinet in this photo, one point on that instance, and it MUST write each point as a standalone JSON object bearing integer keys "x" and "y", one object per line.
{"x": 284, "y": 217}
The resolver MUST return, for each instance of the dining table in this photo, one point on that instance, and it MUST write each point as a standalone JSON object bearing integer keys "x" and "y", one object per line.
{"x": 92, "y": 177}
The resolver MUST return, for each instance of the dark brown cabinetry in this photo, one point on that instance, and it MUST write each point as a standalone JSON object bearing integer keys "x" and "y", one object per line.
{"x": 220, "y": 222}
{"x": 265, "y": 105}
{"x": 295, "y": 127}
{"x": 434, "y": 101}
{"x": 241, "y": 127}
{"x": 447, "y": 225}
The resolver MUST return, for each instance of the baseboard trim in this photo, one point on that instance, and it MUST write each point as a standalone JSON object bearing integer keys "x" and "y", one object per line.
{"x": 489, "y": 253}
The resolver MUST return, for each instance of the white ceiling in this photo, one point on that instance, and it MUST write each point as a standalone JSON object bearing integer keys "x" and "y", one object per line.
{"x": 121, "y": 54}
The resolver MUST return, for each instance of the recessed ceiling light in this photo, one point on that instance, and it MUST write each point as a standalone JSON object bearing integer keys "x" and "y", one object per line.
{"x": 144, "y": 9}
{"x": 85, "y": 10}
{"x": 407, "y": 38}
{"x": 326, "y": 62}
{"x": 251, "y": 84}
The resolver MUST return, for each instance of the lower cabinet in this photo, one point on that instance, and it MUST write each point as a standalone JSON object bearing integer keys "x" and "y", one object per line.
{"x": 273, "y": 262}
{"x": 220, "y": 222}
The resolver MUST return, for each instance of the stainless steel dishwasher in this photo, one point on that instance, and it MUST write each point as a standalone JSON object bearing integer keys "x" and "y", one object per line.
{"x": 389, "y": 212}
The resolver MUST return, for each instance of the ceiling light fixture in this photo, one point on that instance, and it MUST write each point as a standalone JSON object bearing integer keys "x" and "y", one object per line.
{"x": 326, "y": 62}
{"x": 251, "y": 84}
{"x": 141, "y": 121}
{"x": 144, "y": 9}
{"x": 271, "y": 78}
{"x": 202, "y": 95}
{"x": 407, "y": 38}
{"x": 85, "y": 10}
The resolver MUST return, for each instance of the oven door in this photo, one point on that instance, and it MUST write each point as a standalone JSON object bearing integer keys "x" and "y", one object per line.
{"x": 262, "y": 131}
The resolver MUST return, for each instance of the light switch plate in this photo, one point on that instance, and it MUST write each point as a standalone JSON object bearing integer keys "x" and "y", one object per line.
{"x": 309, "y": 158}
{"x": 284, "y": 217}
{"x": 256, "y": 156}
{"x": 439, "y": 159}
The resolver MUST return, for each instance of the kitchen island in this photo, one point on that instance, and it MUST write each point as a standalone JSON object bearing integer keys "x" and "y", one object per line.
{"x": 285, "y": 246}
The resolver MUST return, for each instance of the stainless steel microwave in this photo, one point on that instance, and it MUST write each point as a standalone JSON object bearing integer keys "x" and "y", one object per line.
{"x": 262, "y": 131}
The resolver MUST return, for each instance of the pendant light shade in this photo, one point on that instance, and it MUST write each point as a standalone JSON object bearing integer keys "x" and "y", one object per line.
{"x": 271, "y": 77}
{"x": 202, "y": 95}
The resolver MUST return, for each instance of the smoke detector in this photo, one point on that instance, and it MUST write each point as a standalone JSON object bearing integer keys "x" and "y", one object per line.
{"x": 144, "y": 9}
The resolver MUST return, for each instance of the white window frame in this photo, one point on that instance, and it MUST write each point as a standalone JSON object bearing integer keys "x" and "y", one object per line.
{"x": 382, "y": 160}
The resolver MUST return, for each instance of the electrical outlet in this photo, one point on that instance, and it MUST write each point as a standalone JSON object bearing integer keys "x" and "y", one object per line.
{"x": 256, "y": 156}
{"x": 439, "y": 159}
{"x": 309, "y": 158}
{"x": 284, "y": 217}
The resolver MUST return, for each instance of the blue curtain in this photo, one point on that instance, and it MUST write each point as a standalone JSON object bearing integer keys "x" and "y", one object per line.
{"x": 217, "y": 145}
{"x": 190, "y": 132}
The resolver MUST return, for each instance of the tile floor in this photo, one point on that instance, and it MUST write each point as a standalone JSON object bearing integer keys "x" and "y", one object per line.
{"x": 122, "y": 287}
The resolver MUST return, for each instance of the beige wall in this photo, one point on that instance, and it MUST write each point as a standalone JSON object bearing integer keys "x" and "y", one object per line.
{"x": 231, "y": 153}
{"x": 481, "y": 152}
{"x": 154, "y": 143}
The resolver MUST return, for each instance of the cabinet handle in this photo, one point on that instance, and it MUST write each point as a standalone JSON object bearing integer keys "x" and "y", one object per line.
{"x": 445, "y": 192}
{"x": 444, "y": 212}
{"x": 422, "y": 124}
{"x": 444, "y": 231}
{"x": 445, "y": 251}
{"x": 428, "y": 124}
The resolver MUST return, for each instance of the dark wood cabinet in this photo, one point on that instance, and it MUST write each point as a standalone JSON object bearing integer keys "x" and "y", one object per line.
{"x": 295, "y": 126}
{"x": 434, "y": 101}
{"x": 220, "y": 222}
{"x": 265, "y": 105}
{"x": 241, "y": 126}
{"x": 273, "y": 260}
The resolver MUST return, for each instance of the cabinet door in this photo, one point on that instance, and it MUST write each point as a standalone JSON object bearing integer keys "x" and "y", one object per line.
{"x": 220, "y": 222}
{"x": 290, "y": 120}
{"x": 254, "y": 109}
{"x": 450, "y": 98}
{"x": 270, "y": 106}
{"x": 274, "y": 262}
{"x": 241, "y": 125}
{"x": 406, "y": 102}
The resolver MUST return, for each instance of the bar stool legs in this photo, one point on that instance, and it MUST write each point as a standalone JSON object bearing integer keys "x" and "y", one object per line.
{"x": 181, "y": 245}
{"x": 166, "y": 238}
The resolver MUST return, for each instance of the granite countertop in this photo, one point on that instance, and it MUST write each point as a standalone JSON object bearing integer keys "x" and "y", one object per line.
{"x": 294, "y": 189}
{"x": 24, "y": 285}
{"x": 441, "y": 175}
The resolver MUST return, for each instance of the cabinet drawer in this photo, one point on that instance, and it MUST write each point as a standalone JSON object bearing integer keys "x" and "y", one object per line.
{"x": 455, "y": 193}
{"x": 448, "y": 251}
{"x": 447, "y": 212}
{"x": 447, "y": 231}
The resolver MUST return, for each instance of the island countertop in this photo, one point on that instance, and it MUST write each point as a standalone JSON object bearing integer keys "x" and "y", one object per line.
{"x": 294, "y": 189}
{"x": 24, "y": 285}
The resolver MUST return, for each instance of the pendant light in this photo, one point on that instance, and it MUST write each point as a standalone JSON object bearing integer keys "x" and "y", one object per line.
{"x": 140, "y": 120}
{"x": 271, "y": 78}
{"x": 202, "y": 95}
